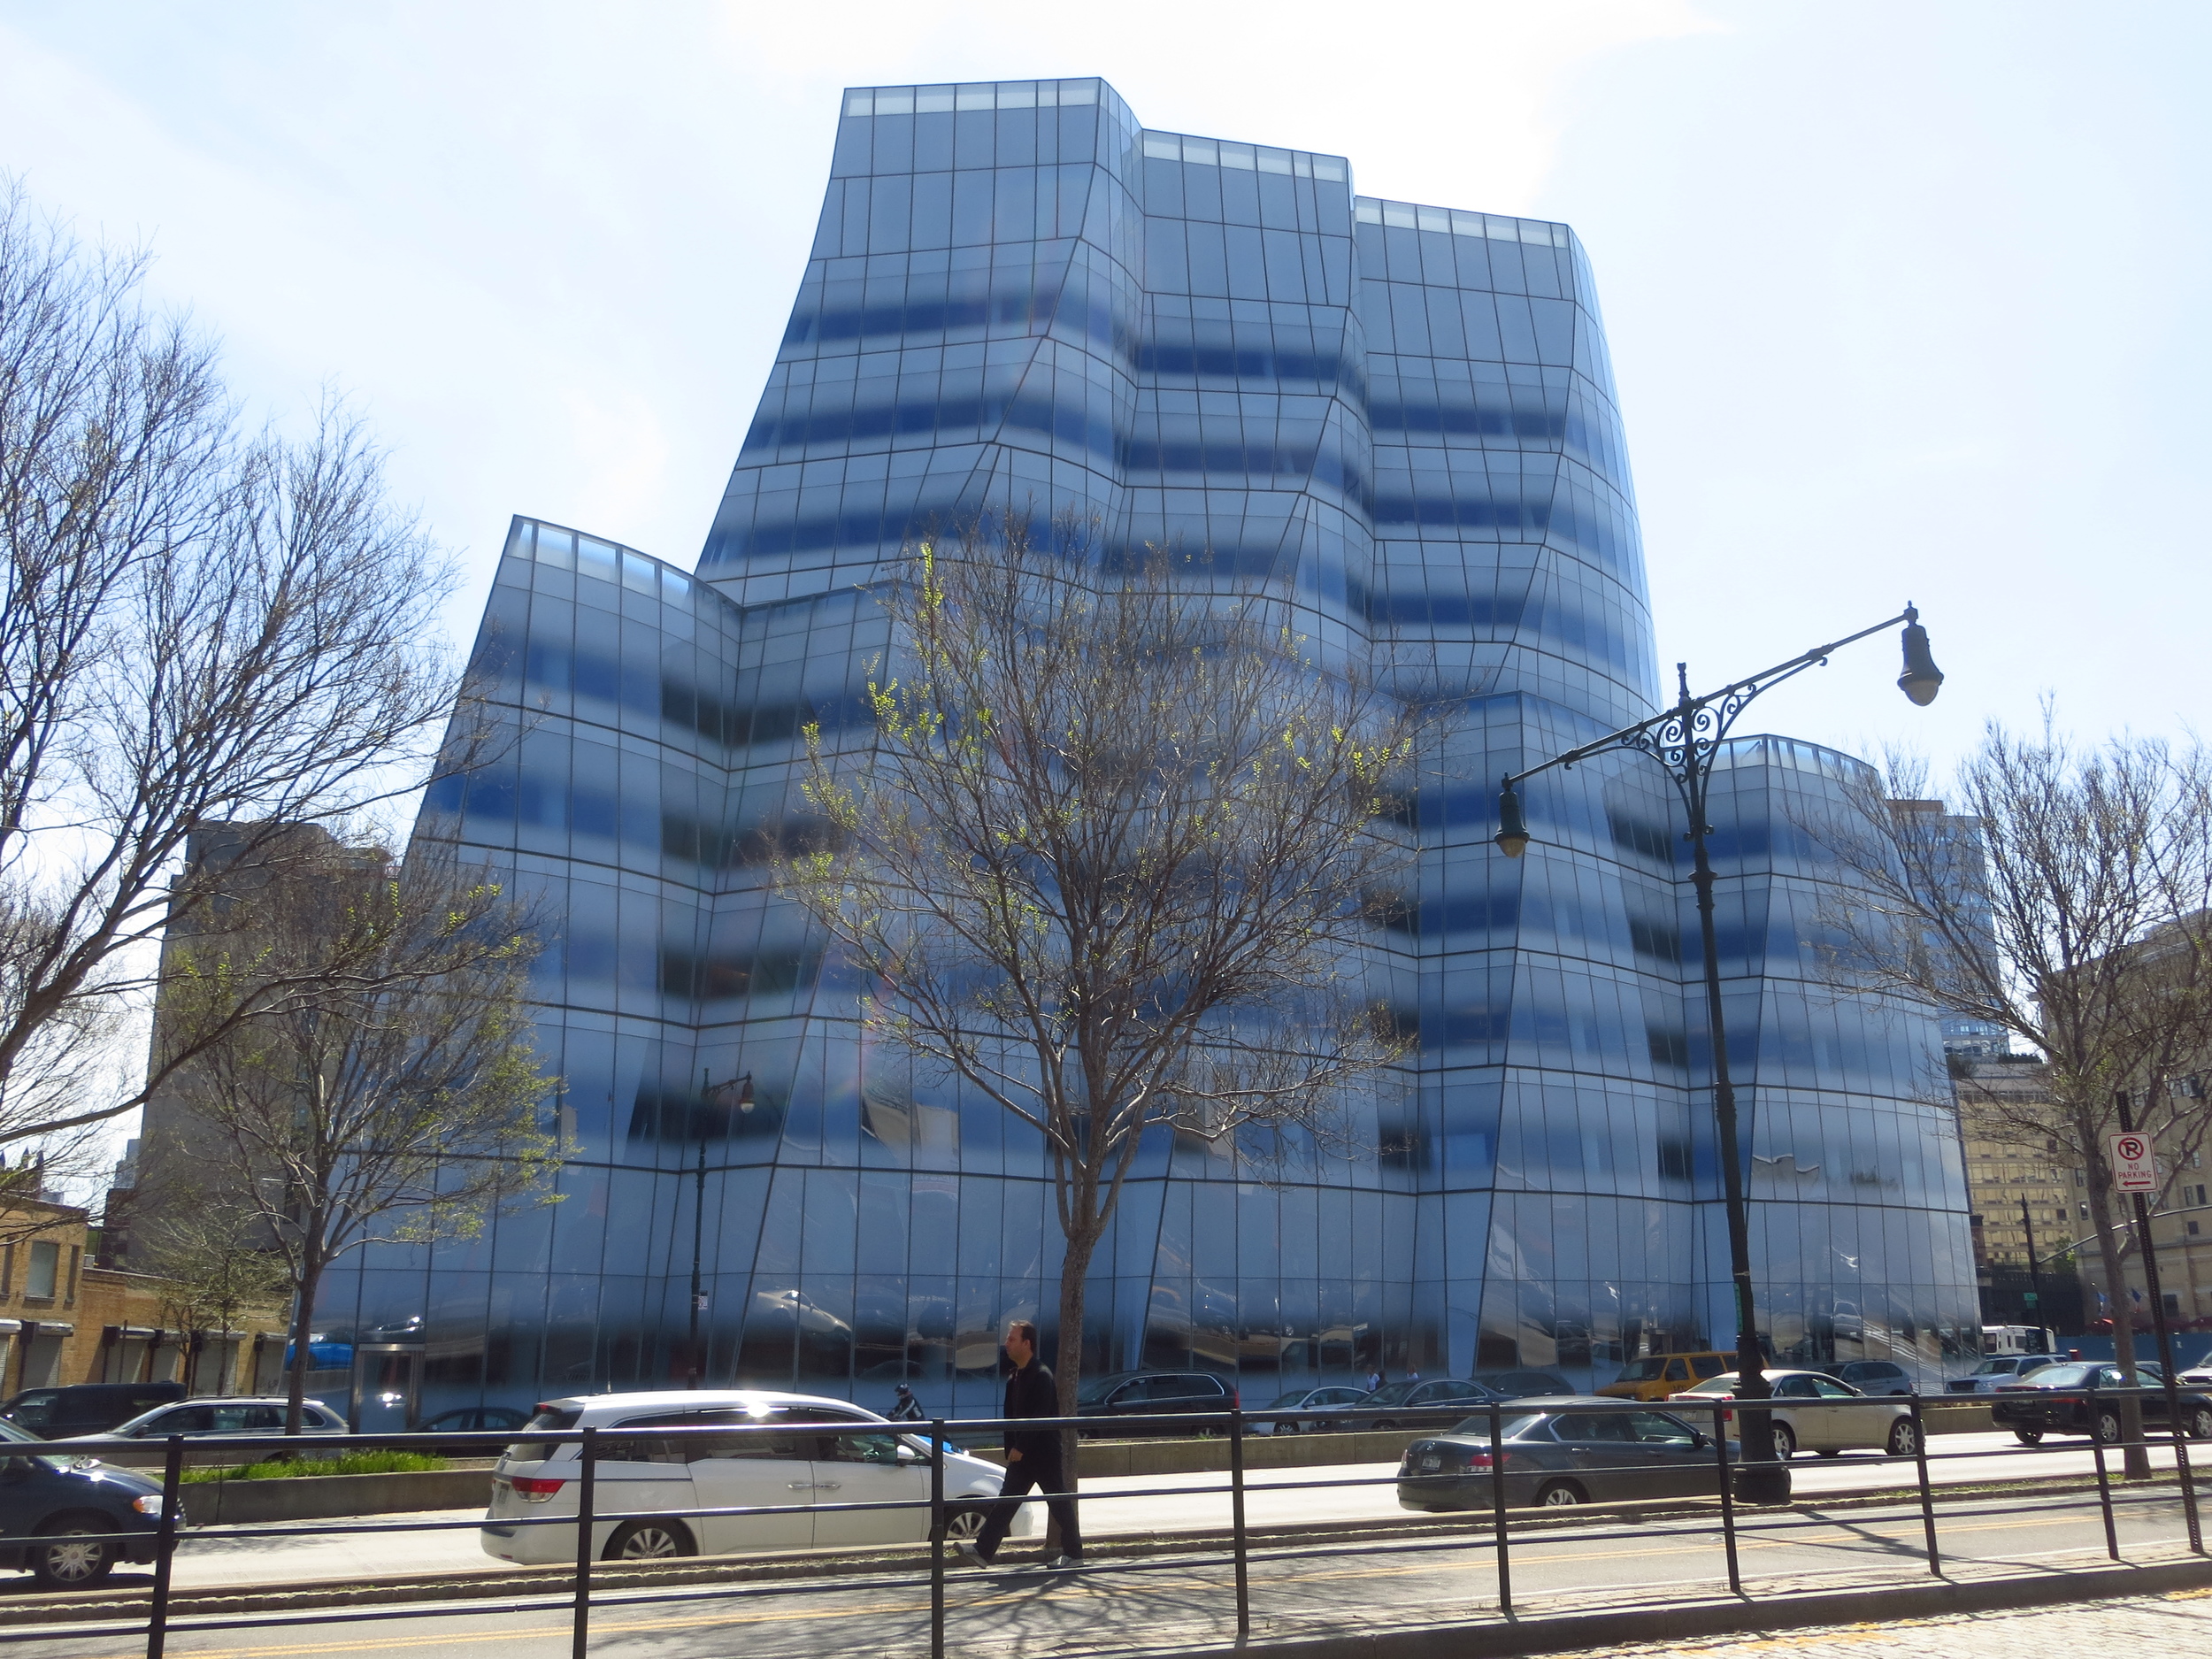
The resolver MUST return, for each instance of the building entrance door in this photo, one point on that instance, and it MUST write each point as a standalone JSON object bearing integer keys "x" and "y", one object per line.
{"x": 386, "y": 1387}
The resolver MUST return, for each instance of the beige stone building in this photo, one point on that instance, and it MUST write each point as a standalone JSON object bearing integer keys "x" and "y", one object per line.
{"x": 63, "y": 1320}
{"x": 2005, "y": 1168}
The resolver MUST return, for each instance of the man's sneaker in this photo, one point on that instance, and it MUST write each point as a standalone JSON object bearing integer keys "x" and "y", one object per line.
{"x": 968, "y": 1555}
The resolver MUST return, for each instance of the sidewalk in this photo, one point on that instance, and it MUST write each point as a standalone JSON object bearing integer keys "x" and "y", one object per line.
{"x": 2122, "y": 1628}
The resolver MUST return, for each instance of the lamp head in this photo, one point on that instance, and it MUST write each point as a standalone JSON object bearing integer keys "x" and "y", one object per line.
{"x": 1512, "y": 838}
{"x": 1922, "y": 679}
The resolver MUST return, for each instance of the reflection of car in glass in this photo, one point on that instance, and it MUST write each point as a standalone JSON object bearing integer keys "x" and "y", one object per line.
{"x": 1874, "y": 1376}
{"x": 1522, "y": 1385}
{"x": 1988, "y": 1376}
{"x": 1153, "y": 1393}
{"x": 140, "y": 1440}
{"x": 2034, "y": 1406}
{"x": 1869, "y": 1425}
{"x": 1411, "y": 1405}
{"x": 55, "y": 1414}
{"x": 1555, "y": 1458}
{"x": 778, "y": 1449}
{"x": 1309, "y": 1399}
{"x": 474, "y": 1420}
{"x": 63, "y": 1508}
{"x": 1659, "y": 1375}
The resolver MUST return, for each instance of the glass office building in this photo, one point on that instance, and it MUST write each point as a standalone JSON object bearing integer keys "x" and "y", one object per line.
{"x": 1398, "y": 419}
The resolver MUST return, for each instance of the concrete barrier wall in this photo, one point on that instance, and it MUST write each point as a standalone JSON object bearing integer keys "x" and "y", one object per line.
{"x": 327, "y": 1497}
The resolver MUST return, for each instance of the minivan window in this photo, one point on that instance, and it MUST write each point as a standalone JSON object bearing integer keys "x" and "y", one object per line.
{"x": 545, "y": 1417}
{"x": 1707, "y": 1365}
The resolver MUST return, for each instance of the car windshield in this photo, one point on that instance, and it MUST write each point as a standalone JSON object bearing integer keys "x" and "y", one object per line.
{"x": 1724, "y": 1384}
{"x": 1510, "y": 1427}
{"x": 9, "y": 1432}
{"x": 1098, "y": 1388}
{"x": 1285, "y": 1402}
{"x": 1390, "y": 1394}
{"x": 1643, "y": 1370}
{"x": 545, "y": 1417}
{"x": 2064, "y": 1376}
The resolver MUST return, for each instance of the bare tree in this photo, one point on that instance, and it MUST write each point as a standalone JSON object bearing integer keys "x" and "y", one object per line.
{"x": 2067, "y": 900}
{"x": 215, "y": 1265}
{"x": 1110, "y": 859}
{"x": 391, "y": 1092}
{"x": 197, "y": 626}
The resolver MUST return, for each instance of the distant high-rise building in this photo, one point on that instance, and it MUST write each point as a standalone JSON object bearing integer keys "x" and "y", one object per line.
{"x": 1400, "y": 422}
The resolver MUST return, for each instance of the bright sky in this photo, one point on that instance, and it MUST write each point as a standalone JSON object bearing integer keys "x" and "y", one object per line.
{"x": 1905, "y": 300}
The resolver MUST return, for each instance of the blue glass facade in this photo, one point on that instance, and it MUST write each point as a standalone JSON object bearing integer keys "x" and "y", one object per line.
{"x": 1398, "y": 419}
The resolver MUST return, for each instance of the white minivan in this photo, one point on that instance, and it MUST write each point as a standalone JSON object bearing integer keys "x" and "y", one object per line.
{"x": 664, "y": 1490}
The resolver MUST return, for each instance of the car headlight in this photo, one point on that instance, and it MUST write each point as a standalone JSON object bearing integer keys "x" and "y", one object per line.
{"x": 150, "y": 1504}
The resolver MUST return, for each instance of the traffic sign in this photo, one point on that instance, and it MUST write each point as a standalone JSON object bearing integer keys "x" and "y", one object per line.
{"x": 2132, "y": 1170}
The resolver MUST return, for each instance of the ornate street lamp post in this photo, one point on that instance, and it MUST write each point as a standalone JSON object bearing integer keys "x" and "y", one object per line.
{"x": 1686, "y": 740}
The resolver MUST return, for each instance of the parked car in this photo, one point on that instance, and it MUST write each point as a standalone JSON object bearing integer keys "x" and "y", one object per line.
{"x": 1875, "y": 1376}
{"x": 1412, "y": 1405}
{"x": 2038, "y": 1404}
{"x": 1871, "y": 1425}
{"x": 1555, "y": 1458}
{"x": 201, "y": 1421}
{"x": 1988, "y": 1376}
{"x": 80, "y": 1518}
{"x": 473, "y": 1420}
{"x": 1309, "y": 1399}
{"x": 1657, "y": 1376}
{"x": 1124, "y": 1393}
{"x": 1523, "y": 1384}
{"x": 55, "y": 1414}
{"x": 782, "y": 1449}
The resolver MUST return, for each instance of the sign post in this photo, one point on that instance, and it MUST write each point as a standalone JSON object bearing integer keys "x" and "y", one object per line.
{"x": 2132, "y": 1170}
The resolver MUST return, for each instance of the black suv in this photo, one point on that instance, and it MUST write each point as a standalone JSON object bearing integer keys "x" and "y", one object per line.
{"x": 55, "y": 1414}
{"x": 79, "y": 1521}
{"x": 1124, "y": 1394}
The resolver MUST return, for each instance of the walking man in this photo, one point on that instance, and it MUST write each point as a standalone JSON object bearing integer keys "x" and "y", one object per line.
{"x": 1032, "y": 1457}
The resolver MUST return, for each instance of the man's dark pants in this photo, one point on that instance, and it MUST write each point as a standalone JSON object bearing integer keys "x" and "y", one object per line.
{"x": 1031, "y": 1471}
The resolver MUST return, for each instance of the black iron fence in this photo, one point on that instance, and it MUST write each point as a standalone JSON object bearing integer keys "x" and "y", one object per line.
{"x": 1510, "y": 1464}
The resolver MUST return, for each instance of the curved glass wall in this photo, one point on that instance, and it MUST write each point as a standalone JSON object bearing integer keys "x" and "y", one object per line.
{"x": 1395, "y": 420}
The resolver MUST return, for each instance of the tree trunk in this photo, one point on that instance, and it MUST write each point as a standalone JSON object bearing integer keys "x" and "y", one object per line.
{"x": 2136, "y": 1461}
{"x": 302, "y": 1318}
{"x": 1075, "y": 1269}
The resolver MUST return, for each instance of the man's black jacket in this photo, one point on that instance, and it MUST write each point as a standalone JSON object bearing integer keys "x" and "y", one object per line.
{"x": 1030, "y": 1393}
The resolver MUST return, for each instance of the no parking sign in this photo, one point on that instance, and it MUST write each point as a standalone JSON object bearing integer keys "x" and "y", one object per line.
{"x": 2132, "y": 1170}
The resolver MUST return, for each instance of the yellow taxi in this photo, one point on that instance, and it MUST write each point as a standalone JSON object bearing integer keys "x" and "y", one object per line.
{"x": 1660, "y": 1375}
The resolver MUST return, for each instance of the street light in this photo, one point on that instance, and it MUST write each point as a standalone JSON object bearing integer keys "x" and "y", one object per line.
{"x": 1686, "y": 740}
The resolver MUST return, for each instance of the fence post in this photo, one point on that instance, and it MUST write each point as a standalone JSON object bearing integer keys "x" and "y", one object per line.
{"x": 2104, "y": 1480}
{"x": 937, "y": 1538}
{"x": 1497, "y": 1509}
{"x": 1721, "y": 1410}
{"x": 1927, "y": 1496}
{"x": 165, "y": 1546}
{"x": 587, "y": 1461}
{"x": 1236, "y": 1518}
{"x": 2182, "y": 1472}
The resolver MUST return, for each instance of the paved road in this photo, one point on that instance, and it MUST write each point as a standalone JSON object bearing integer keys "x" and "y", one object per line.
{"x": 1021, "y": 1610}
{"x": 304, "y": 1553}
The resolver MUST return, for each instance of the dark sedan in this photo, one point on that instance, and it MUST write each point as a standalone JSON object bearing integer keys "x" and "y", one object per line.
{"x": 2055, "y": 1401}
{"x": 1557, "y": 1457}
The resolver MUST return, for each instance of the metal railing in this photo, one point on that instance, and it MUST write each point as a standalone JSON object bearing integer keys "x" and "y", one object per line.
{"x": 1497, "y": 1466}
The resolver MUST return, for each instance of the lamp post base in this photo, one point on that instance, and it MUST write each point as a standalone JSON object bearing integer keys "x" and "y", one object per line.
{"x": 1763, "y": 1483}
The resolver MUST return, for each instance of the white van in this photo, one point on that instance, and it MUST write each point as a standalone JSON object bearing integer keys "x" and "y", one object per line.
{"x": 799, "y": 1450}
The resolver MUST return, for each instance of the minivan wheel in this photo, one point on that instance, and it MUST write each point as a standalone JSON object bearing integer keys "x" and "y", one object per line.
{"x": 964, "y": 1525}
{"x": 2028, "y": 1437}
{"x": 1904, "y": 1438}
{"x": 72, "y": 1555}
{"x": 649, "y": 1540}
{"x": 1561, "y": 1495}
